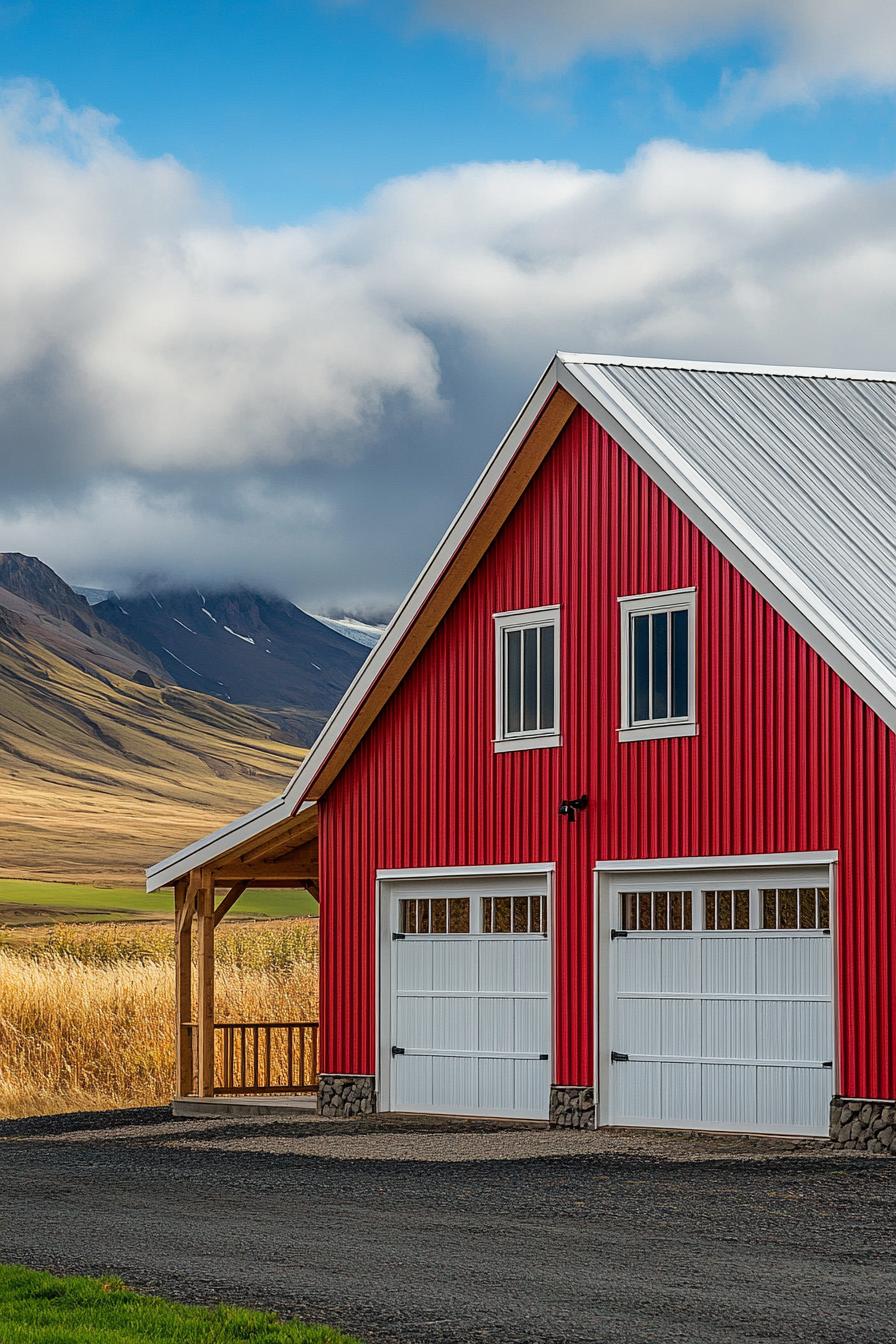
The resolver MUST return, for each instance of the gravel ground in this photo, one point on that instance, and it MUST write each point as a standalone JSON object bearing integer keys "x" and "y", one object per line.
{"x": 438, "y": 1231}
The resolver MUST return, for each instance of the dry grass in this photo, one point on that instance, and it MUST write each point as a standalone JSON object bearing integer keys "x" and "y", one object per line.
{"x": 86, "y": 1011}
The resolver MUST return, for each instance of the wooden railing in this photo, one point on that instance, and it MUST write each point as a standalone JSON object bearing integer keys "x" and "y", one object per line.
{"x": 256, "y": 1058}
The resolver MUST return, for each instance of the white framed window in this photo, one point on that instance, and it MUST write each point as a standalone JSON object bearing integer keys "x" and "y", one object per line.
{"x": 527, "y": 678}
{"x": 658, "y": 673}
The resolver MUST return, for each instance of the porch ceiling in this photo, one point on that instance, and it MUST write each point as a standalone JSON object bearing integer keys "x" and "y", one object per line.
{"x": 285, "y": 855}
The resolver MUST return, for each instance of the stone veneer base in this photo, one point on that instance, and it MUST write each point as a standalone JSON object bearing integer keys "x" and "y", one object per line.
{"x": 571, "y": 1108}
{"x": 345, "y": 1096}
{"x": 864, "y": 1124}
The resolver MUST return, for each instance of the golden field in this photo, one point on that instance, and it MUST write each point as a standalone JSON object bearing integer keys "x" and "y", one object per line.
{"x": 86, "y": 1010}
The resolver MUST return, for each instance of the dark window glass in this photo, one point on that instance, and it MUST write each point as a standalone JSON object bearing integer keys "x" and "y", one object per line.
{"x": 513, "y": 657}
{"x": 530, "y": 680}
{"x": 787, "y": 908}
{"x": 640, "y": 668}
{"x": 742, "y": 910}
{"x": 679, "y": 664}
{"x": 501, "y": 909}
{"x": 438, "y": 916}
{"x": 824, "y": 908}
{"x": 459, "y": 915}
{"x": 660, "y": 665}
{"x": 521, "y": 914}
{"x": 546, "y": 655}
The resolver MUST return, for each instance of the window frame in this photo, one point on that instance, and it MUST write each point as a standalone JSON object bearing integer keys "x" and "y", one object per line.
{"x": 524, "y": 619}
{"x": 651, "y": 604}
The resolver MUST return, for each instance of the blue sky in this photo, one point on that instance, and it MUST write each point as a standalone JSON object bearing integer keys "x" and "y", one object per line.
{"x": 279, "y": 274}
{"x": 291, "y": 107}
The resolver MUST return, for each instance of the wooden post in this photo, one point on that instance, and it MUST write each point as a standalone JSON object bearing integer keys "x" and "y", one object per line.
{"x": 183, "y": 985}
{"x": 205, "y": 965}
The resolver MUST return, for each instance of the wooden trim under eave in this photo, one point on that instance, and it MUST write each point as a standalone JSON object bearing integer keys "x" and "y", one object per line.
{"x": 529, "y": 457}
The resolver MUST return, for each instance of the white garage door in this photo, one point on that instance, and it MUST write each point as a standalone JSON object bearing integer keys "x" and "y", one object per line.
{"x": 469, "y": 1008}
{"x": 721, "y": 1001}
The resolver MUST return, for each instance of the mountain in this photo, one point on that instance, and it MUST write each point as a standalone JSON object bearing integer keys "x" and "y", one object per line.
{"x": 243, "y": 647}
{"x": 359, "y": 631}
{"x": 54, "y": 615}
{"x": 100, "y": 773}
{"x": 93, "y": 595}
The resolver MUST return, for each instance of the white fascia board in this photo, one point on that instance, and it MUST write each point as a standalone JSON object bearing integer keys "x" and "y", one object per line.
{"x": 737, "y": 539}
{"x": 711, "y": 366}
{"x": 203, "y": 851}
{"x": 427, "y": 581}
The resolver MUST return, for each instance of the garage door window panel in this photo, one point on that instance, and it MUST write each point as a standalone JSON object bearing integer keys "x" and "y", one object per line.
{"x": 791, "y": 908}
{"x": 434, "y": 914}
{"x": 514, "y": 914}
{"x": 649, "y": 911}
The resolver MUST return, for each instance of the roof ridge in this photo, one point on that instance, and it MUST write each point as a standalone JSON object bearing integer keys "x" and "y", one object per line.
{"x": 716, "y": 366}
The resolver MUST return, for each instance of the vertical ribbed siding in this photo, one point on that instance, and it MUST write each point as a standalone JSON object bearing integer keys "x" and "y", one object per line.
{"x": 787, "y": 758}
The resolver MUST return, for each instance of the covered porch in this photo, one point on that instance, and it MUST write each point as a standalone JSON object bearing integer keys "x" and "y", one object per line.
{"x": 237, "y": 1062}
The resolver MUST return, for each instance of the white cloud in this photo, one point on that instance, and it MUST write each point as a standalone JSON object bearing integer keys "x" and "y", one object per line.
{"x": 814, "y": 46}
{"x": 183, "y": 395}
{"x": 175, "y": 337}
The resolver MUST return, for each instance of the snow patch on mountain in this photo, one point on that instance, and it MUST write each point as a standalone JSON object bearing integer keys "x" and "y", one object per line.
{"x": 359, "y": 631}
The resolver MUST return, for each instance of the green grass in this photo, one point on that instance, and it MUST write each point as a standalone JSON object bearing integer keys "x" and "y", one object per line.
{"x": 38, "y": 1308}
{"x": 74, "y": 900}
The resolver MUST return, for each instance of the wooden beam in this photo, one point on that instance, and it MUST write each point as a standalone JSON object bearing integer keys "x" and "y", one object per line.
{"x": 229, "y": 900}
{"x": 313, "y": 889}
{"x": 529, "y": 457}
{"x": 183, "y": 986}
{"x": 205, "y": 965}
{"x": 283, "y": 870}
{"x": 295, "y": 880}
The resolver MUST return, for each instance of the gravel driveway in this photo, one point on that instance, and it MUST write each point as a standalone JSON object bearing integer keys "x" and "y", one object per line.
{"x": 438, "y": 1231}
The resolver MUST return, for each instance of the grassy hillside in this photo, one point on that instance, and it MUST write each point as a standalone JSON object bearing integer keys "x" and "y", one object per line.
{"x": 100, "y": 776}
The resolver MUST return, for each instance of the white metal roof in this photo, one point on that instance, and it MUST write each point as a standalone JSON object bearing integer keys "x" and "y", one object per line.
{"x": 798, "y": 467}
{"x": 790, "y": 472}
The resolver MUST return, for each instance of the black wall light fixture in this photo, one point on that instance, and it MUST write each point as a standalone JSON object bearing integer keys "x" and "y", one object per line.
{"x": 570, "y": 806}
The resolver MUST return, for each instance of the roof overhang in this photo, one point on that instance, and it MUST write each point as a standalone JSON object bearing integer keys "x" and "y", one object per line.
{"x": 568, "y": 381}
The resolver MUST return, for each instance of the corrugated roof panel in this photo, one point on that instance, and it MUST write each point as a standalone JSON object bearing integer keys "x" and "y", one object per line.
{"x": 809, "y": 460}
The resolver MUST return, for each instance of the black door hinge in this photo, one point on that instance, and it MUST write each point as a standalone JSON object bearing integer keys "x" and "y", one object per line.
{"x": 827, "y": 1063}
{"x": 618, "y": 933}
{"x": 397, "y": 1050}
{"x": 617, "y": 1057}
{"x": 396, "y": 936}
{"x": 542, "y": 1056}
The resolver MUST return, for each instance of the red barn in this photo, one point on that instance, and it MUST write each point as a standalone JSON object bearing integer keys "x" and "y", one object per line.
{"x": 604, "y": 831}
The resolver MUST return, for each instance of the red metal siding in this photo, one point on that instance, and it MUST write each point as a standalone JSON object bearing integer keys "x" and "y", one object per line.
{"x": 787, "y": 758}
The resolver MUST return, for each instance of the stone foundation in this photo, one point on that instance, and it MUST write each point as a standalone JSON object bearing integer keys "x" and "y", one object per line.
{"x": 571, "y": 1108}
{"x": 864, "y": 1124}
{"x": 344, "y": 1096}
